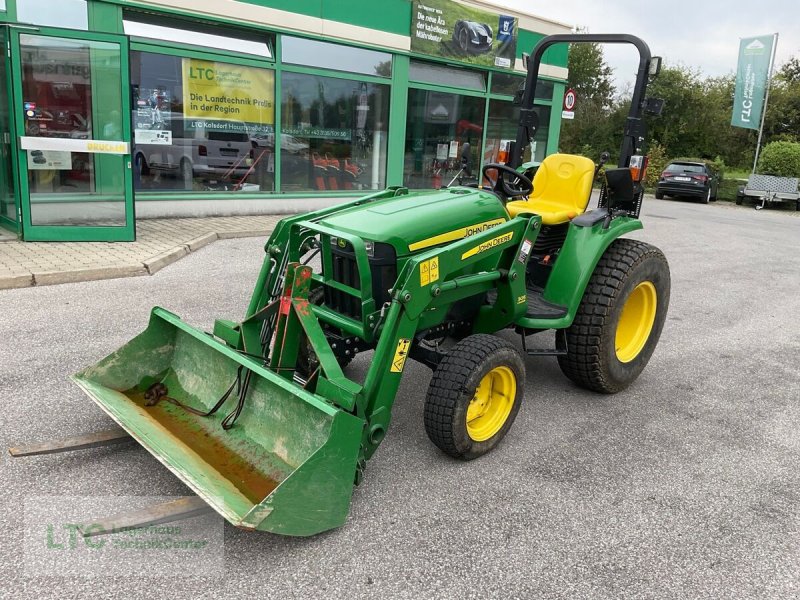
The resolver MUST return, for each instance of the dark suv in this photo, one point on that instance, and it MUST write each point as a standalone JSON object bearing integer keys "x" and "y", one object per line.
{"x": 692, "y": 179}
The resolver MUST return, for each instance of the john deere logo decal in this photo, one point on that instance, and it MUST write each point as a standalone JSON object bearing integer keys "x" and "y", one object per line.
{"x": 341, "y": 243}
{"x": 492, "y": 243}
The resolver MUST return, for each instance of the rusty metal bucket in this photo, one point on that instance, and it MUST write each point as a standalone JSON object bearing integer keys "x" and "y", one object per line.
{"x": 288, "y": 463}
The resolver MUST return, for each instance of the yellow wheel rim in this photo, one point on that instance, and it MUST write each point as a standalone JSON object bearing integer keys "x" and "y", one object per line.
{"x": 489, "y": 408}
{"x": 636, "y": 321}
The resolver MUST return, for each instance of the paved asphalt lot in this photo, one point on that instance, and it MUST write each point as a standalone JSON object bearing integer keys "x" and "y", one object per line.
{"x": 685, "y": 485}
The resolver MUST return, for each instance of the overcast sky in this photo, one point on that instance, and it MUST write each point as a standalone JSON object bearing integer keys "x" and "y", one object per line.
{"x": 702, "y": 34}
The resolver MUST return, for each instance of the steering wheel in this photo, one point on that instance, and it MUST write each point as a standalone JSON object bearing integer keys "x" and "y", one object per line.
{"x": 509, "y": 183}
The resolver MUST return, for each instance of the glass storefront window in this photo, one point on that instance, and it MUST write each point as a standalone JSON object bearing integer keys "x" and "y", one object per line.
{"x": 502, "y": 130}
{"x": 202, "y": 126}
{"x": 219, "y": 38}
{"x": 425, "y": 72}
{"x": 299, "y": 51}
{"x": 439, "y": 125}
{"x": 72, "y": 93}
{"x": 508, "y": 84}
{"x": 72, "y": 14}
{"x": 333, "y": 133}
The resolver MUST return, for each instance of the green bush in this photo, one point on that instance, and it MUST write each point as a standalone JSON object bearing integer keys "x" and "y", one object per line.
{"x": 657, "y": 156}
{"x": 781, "y": 159}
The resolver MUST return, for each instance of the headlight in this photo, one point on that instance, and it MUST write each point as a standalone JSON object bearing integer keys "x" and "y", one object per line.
{"x": 370, "y": 246}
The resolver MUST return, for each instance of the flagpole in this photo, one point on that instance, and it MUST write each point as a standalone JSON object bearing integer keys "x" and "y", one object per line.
{"x": 766, "y": 97}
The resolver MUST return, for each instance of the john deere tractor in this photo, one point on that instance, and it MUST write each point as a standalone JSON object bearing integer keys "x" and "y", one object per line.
{"x": 259, "y": 418}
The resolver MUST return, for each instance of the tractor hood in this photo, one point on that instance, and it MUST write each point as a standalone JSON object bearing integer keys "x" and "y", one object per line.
{"x": 418, "y": 221}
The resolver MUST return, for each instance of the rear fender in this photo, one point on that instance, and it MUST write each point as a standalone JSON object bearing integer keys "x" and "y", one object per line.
{"x": 576, "y": 262}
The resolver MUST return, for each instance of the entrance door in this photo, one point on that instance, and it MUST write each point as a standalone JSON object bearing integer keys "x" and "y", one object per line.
{"x": 72, "y": 112}
{"x": 9, "y": 210}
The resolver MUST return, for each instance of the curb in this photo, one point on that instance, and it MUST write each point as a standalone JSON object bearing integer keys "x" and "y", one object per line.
{"x": 148, "y": 267}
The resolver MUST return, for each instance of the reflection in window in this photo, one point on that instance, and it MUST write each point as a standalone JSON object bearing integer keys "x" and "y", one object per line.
{"x": 235, "y": 41}
{"x": 501, "y": 131}
{"x": 201, "y": 125}
{"x": 299, "y": 51}
{"x": 507, "y": 84}
{"x": 426, "y": 72}
{"x": 333, "y": 133}
{"x": 72, "y": 14}
{"x": 438, "y": 129}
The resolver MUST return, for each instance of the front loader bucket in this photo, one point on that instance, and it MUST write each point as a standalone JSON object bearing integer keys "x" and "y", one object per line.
{"x": 286, "y": 466}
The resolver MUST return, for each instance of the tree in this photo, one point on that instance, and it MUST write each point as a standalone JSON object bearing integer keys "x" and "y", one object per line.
{"x": 590, "y": 77}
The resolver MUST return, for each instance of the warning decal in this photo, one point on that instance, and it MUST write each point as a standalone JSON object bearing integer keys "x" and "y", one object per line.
{"x": 429, "y": 271}
{"x": 399, "y": 360}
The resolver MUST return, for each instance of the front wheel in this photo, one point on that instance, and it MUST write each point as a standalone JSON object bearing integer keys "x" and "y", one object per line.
{"x": 620, "y": 318}
{"x": 474, "y": 396}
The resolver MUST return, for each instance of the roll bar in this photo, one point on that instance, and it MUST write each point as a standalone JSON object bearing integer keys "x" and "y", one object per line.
{"x": 634, "y": 137}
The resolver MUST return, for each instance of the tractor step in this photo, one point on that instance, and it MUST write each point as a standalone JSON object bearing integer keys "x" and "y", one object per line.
{"x": 166, "y": 512}
{"x": 559, "y": 350}
{"x": 107, "y": 437}
{"x": 539, "y": 308}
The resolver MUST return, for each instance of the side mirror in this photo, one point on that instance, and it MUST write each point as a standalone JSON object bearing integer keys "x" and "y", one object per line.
{"x": 654, "y": 106}
{"x": 655, "y": 66}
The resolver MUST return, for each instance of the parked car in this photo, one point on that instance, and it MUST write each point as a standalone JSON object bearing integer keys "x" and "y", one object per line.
{"x": 473, "y": 38}
{"x": 688, "y": 179}
{"x": 197, "y": 152}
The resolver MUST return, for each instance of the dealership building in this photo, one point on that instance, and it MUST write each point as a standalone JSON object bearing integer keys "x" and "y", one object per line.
{"x": 117, "y": 110}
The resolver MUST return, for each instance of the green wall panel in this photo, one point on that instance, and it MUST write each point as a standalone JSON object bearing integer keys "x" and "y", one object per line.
{"x": 555, "y": 55}
{"x": 311, "y": 8}
{"x": 392, "y": 16}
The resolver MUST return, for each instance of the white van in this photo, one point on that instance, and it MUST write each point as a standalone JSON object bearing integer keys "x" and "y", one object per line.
{"x": 194, "y": 151}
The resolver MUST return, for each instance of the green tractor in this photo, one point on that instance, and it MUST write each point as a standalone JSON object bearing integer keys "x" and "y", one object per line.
{"x": 259, "y": 418}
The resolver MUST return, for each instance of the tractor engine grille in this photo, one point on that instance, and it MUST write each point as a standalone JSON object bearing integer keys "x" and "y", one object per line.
{"x": 383, "y": 267}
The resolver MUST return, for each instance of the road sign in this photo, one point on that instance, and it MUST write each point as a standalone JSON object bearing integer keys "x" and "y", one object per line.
{"x": 569, "y": 100}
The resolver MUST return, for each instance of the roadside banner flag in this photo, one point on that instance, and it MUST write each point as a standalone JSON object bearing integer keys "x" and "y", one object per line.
{"x": 752, "y": 77}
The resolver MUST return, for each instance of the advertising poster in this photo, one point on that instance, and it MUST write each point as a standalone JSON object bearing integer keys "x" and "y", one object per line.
{"x": 152, "y": 110}
{"x": 449, "y": 29}
{"x": 752, "y": 74}
{"x": 226, "y": 97}
{"x": 46, "y": 160}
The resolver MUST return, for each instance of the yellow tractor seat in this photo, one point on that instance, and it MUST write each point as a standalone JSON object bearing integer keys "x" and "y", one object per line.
{"x": 561, "y": 189}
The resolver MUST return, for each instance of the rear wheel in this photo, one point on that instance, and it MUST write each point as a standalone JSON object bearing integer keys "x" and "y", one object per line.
{"x": 619, "y": 319}
{"x": 463, "y": 41}
{"x": 707, "y": 197}
{"x": 659, "y": 195}
{"x": 474, "y": 396}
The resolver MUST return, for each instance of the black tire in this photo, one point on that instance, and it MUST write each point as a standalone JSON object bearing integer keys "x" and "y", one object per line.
{"x": 797, "y": 206}
{"x": 707, "y": 198}
{"x": 454, "y": 387}
{"x": 463, "y": 41}
{"x": 659, "y": 195}
{"x": 593, "y": 360}
{"x": 739, "y": 200}
{"x": 142, "y": 168}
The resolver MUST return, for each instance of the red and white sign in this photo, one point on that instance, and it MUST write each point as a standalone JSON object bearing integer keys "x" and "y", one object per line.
{"x": 570, "y": 98}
